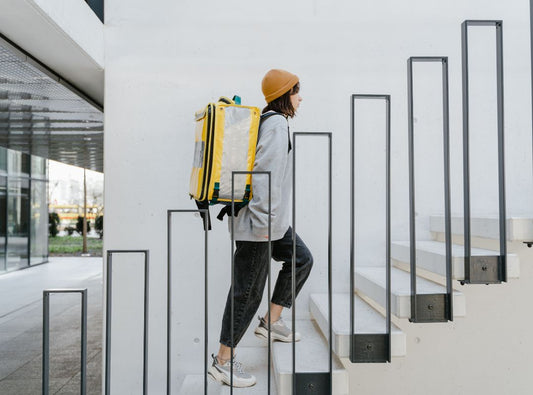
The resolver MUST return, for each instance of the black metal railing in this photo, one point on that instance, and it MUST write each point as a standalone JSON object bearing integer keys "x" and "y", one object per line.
{"x": 269, "y": 338}
{"x": 490, "y": 269}
{"x": 108, "y": 315}
{"x": 370, "y": 347}
{"x": 46, "y": 338}
{"x": 430, "y": 307}
{"x": 205, "y": 215}
{"x": 317, "y": 382}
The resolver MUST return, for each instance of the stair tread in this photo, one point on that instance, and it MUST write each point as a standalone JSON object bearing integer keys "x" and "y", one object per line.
{"x": 400, "y": 281}
{"x": 439, "y": 248}
{"x": 194, "y": 384}
{"x": 431, "y": 255}
{"x": 367, "y": 320}
{"x": 312, "y": 356}
{"x": 519, "y": 228}
{"x": 312, "y": 352}
{"x": 371, "y": 281}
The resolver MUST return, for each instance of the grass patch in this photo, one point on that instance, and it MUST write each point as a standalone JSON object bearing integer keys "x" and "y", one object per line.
{"x": 72, "y": 246}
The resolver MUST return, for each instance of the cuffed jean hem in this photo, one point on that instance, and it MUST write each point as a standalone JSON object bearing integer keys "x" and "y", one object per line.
{"x": 227, "y": 344}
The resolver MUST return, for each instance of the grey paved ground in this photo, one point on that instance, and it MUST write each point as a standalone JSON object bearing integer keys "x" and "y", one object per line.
{"x": 21, "y": 327}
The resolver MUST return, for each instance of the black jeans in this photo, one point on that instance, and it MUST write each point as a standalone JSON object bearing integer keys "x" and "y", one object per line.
{"x": 251, "y": 271}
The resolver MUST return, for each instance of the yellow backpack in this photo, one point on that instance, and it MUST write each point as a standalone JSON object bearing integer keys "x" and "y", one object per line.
{"x": 225, "y": 141}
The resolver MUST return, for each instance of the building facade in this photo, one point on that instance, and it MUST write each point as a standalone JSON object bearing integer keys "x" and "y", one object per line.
{"x": 23, "y": 210}
{"x": 42, "y": 116}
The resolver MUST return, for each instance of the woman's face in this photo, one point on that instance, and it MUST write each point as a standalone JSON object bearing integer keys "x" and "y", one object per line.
{"x": 295, "y": 101}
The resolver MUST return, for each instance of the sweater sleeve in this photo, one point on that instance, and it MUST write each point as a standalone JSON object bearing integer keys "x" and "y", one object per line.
{"x": 271, "y": 155}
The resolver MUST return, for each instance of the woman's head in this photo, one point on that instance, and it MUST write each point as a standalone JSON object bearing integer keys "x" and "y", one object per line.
{"x": 281, "y": 91}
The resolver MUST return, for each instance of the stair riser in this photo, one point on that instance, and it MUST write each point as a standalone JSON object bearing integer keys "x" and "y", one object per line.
{"x": 340, "y": 383}
{"x": 341, "y": 341}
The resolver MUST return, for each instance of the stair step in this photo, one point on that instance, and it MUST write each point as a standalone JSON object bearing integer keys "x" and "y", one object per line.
{"x": 312, "y": 355}
{"x": 367, "y": 320}
{"x": 194, "y": 384}
{"x": 518, "y": 228}
{"x": 431, "y": 256}
{"x": 255, "y": 362}
{"x": 371, "y": 281}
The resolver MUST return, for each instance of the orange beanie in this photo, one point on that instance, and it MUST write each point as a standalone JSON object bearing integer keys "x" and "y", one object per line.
{"x": 276, "y": 83}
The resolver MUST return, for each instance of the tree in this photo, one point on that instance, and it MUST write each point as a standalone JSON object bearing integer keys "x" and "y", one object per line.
{"x": 99, "y": 225}
{"x": 53, "y": 222}
{"x": 79, "y": 225}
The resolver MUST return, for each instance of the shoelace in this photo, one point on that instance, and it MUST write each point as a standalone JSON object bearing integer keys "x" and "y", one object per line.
{"x": 237, "y": 365}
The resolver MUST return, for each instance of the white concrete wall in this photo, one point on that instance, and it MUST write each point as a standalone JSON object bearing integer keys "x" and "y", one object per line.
{"x": 167, "y": 59}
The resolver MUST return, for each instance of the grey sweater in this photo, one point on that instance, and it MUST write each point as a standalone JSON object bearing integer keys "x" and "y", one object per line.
{"x": 272, "y": 154}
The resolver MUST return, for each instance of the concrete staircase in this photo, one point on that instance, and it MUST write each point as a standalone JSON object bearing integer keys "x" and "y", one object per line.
{"x": 312, "y": 352}
{"x": 371, "y": 282}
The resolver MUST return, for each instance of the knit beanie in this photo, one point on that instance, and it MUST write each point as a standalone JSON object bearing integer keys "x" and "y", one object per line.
{"x": 276, "y": 83}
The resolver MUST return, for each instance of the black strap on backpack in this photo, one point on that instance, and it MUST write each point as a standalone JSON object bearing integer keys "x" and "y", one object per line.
{"x": 226, "y": 210}
{"x": 204, "y": 205}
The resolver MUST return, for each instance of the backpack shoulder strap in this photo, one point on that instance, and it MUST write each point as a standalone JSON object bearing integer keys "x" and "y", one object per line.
{"x": 269, "y": 114}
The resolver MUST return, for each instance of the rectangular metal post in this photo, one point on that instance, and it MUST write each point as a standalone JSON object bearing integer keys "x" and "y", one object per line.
{"x": 108, "y": 317}
{"x": 204, "y": 213}
{"x": 318, "y": 382}
{"x": 412, "y": 227}
{"x": 46, "y": 338}
{"x": 430, "y": 307}
{"x": 83, "y": 351}
{"x": 484, "y": 269}
{"x": 46, "y": 343}
{"x": 372, "y": 347}
{"x": 501, "y": 150}
{"x": 531, "y": 59}
{"x": 268, "y": 174}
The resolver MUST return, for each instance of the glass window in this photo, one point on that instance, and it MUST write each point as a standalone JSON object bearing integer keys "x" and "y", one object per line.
{"x": 3, "y": 160}
{"x": 18, "y": 164}
{"x": 39, "y": 167}
{"x": 39, "y": 222}
{"x": 3, "y": 222}
{"x": 18, "y": 218}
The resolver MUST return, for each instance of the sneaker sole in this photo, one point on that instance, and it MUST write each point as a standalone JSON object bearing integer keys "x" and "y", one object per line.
{"x": 262, "y": 333}
{"x": 223, "y": 379}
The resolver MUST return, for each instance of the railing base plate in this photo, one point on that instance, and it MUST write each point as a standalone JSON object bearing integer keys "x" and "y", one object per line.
{"x": 431, "y": 308}
{"x": 484, "y": 270}
{"x": 313, "y": 383}
{"x": 370, "y": 348}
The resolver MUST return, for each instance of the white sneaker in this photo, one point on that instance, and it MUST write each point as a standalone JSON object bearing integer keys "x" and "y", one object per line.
{"x": 278, "y": 331}
{"x": 222, "y": 373}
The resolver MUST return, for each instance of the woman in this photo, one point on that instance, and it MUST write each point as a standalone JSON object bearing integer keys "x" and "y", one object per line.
{"x": 273, "y": 153}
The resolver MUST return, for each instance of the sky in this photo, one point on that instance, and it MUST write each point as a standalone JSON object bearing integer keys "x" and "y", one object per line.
{"x": 66, "y": 184}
